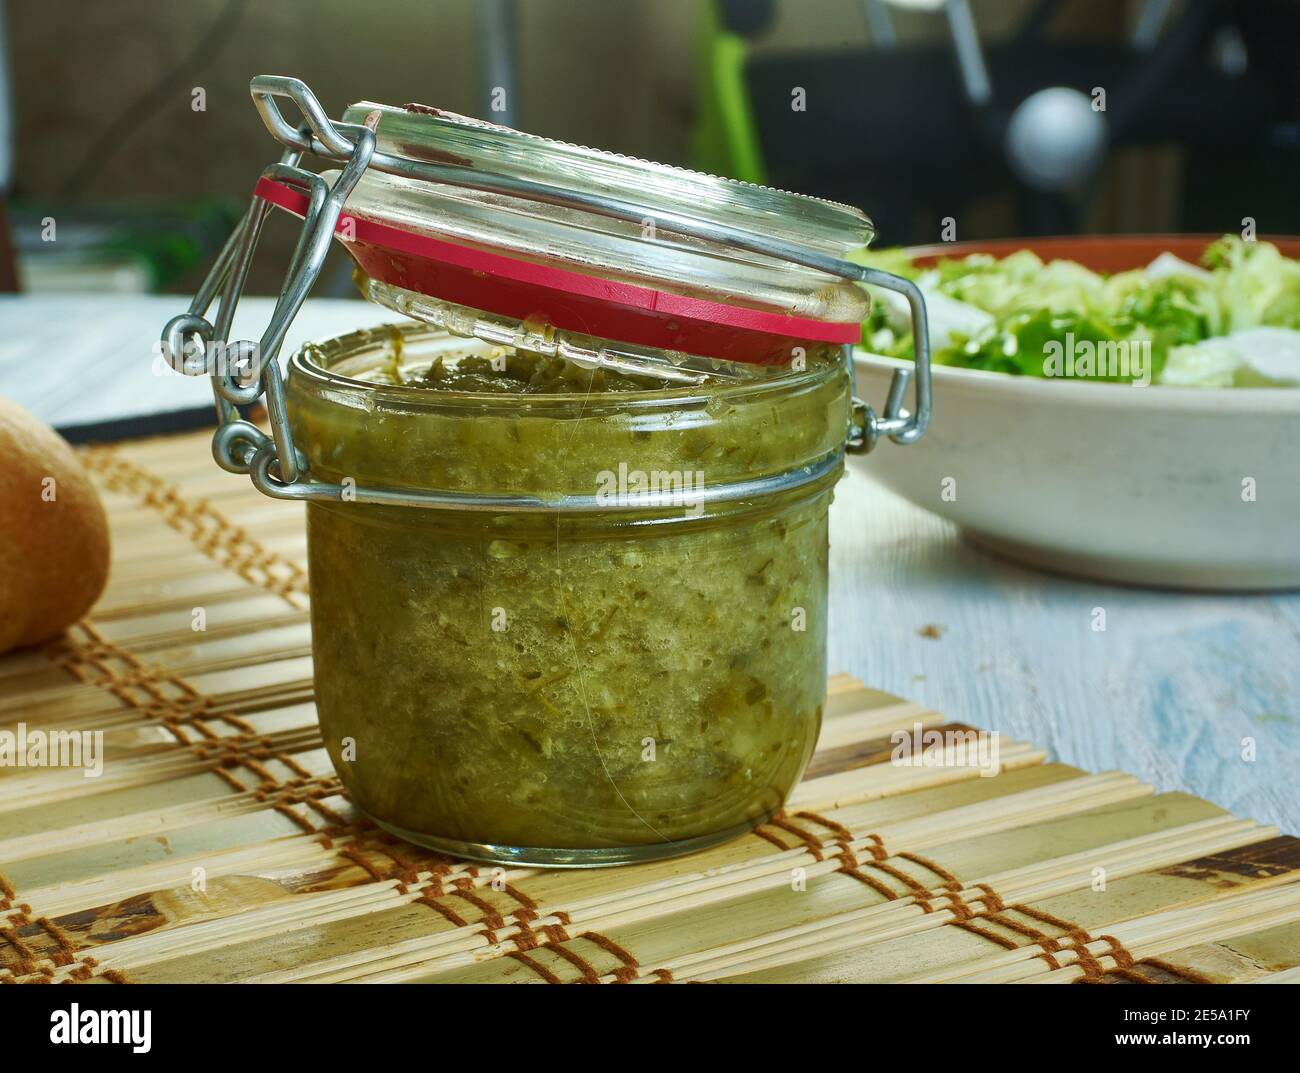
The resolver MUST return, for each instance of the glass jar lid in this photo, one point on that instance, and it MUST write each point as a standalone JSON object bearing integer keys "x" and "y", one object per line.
{"x": 557, "y": 268}
{"x": 421, "y": 132}
{"x": 745, "y": 282}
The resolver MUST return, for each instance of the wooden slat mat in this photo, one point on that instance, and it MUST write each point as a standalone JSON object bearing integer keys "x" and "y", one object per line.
{"x": 217, "y": 843}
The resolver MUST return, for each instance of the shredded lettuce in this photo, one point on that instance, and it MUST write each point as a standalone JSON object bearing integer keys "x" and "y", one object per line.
{"x": 1252, "y": 357}
{"x": 1020, "y": 316}
{"x": 1255, "y": 285}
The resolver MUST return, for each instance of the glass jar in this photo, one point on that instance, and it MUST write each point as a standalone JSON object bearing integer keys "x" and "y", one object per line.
{"x": 567, "y": 688}
{"x": 567, "y": 531}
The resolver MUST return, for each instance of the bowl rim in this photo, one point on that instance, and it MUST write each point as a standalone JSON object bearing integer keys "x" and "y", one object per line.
{"x": 1093, "y": 395}
{"x": 1091, "y": 248}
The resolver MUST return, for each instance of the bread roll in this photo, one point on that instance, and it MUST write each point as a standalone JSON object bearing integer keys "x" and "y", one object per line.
{"x": 53, "y": 532}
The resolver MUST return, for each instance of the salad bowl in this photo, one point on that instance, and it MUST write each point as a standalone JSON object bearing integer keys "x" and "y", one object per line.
{"x": 1166, "y": 486}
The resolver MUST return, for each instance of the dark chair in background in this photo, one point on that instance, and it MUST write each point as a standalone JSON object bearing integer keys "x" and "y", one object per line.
{"x": 919, "y": 131}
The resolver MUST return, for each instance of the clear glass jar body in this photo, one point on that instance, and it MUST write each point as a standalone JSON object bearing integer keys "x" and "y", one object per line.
{"x": 567, "y": 688}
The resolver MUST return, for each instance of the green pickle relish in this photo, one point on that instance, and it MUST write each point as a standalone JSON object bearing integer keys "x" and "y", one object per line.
{"x": 565, "y": 687}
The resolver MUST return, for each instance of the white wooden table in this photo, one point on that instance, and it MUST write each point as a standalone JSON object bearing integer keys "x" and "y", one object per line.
{"x": 1169, "y": 691}
{"x": 87, "y": 359}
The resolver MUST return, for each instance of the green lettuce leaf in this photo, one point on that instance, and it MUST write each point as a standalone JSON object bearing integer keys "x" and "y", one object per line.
{"x": 1042, "y": 311}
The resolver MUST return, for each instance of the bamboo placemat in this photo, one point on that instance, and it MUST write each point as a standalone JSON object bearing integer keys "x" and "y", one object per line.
{"x": 217, "y": 844}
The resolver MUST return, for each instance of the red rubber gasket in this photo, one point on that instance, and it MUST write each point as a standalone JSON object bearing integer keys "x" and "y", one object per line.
{"x": 603, "y": 308}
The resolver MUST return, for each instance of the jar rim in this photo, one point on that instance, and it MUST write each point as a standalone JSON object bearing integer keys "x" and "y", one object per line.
{"x": 303, "y": 364}
{"x": 392, "y": 435}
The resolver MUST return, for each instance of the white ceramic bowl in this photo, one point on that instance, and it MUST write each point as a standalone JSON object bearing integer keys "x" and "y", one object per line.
{"x": 1164, "y": 486}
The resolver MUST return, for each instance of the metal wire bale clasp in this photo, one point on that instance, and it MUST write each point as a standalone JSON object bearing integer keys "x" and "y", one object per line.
{"x": 244, "y": 371}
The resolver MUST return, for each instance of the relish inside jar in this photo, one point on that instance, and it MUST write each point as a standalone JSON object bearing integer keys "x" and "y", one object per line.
{"x": 559, "y": 686}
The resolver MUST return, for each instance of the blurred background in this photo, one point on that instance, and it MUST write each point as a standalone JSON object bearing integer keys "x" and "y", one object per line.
{"x": 129, "y": 123}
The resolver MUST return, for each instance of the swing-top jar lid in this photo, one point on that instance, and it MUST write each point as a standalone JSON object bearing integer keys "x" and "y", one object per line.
{"x": 435, "y": 250}
{"x": 424, "y": 194}
{"x": 421, "y": 132}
